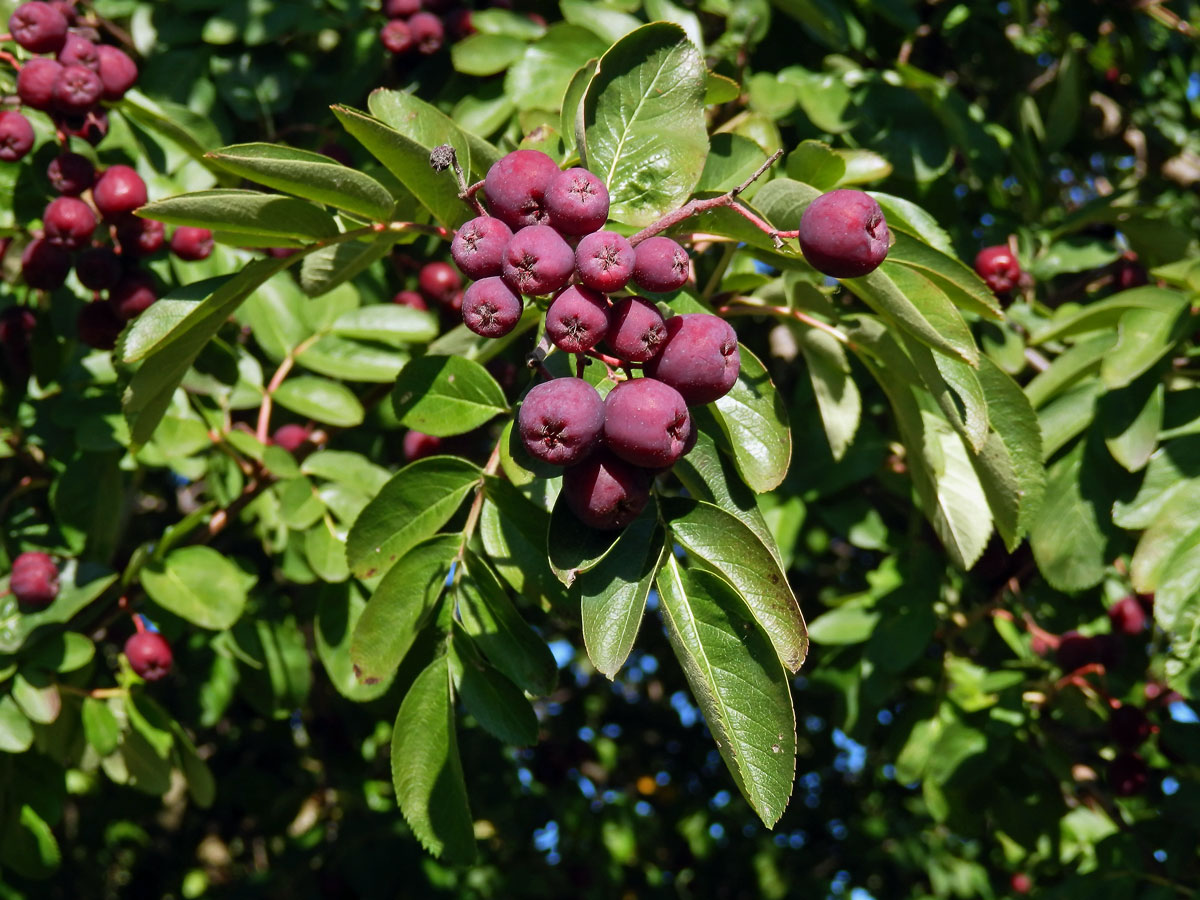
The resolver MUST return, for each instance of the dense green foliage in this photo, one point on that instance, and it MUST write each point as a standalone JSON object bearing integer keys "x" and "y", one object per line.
{"x": 943, "y": 482}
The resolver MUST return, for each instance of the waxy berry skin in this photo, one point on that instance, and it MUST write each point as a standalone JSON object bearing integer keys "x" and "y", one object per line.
{"x": 291, "y": 437}
{"x": 577, "y": 319}
{"x": 69, "y": 222}
{"x": 120, "y": 190}
{"x": 843, "y": 234}
{"x": 478, "y": 247}
{"x": 999, "y": 268}
{"x": 646, "y": 423}
{"x": 396, "y": 37}
{"x": 191, "y": 243}
{"x": 699, "y": 357}
{"x": 605, "y": 492}
{"x": 38, "y": 27}
{"x": 427, "y": 32}
{"x": 439, "y": 282}
{"x": 538, "y": 261}
{"x": 71, "y": 174}
{"x": 34, "y": 580}
{"x": 491, "y": 308}
{"x": 515, "y": 188}
{"x": 79, "y": 51}
{"x": 412, "y": 299}
{"x": 133, "y": 295}
{"x": 577, "y": 202}
{"x": 76, "y": 89}
{"x": 35, "y": 83}
{"x": 636, "y": 331}
{"x": 117, "y": 71}
{"x": 16, "y": 136}
{"x": 149, "y": 655}
{"x": 604, "y": 261}
{"x": 660, "y": 265}
{"x": 45, "y": 265}
{"x": 561, "y": 420}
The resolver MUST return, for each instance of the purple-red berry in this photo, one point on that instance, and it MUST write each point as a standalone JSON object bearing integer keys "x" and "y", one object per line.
{"x": 192, "y": 243}
{"x": 660, "y": 265}
{"x": 515, "y": 188}
{"x": 1128, "y": 615}
{"x": 1128, "y": 726}
{"x": 699, "y": 357}
{"x": 427, "y": 31}
{"x": 133, "y": 294}
{"x": 998, "y": 267}
{"x": 149, "y": 655}
{"x": 604, "y": 261}
{"x": 34, "y": 579}
{"x": 843, "y": 234}
{"x": 118, "y": 72}
{"x": 98, "y": 325}
{"x": 76, "y": 89}
{"x": 560, "y": 421}
{"x": 410, "y": 298}
{"x": 646, "y": 423}
{"x": 71, "y": 174}
{"x": 119, "y": 191}
{"x": 1128, "y": 775}
{"x": 401, "y": 9}
{"x": 439, "y": 282}
{"x": 38, "y": 27}
{"x": 35, "y": 83}
{"x": 636, "y": 332}
{"x": 92, "y": 126}
{"x": 605, "y": 492}
{"x": 577, "y": 202}
{"x": 418, "y": 445}
{"x": 478, "y": 246}
{"x": 140, "y": 237}
{"x": 396, "y": 37}
{"x": 79, "y": 51}
{"x": 491, "y": 308}
{"x": 578, "y": 319}
{"x": 291, "y": 437}
{"x": 98, "y": 268}
{"x": 16, "y": 136}
{"x": 538, "y": 261}
{"x": 45, "y": 265}
{"x": 69, "y": 222}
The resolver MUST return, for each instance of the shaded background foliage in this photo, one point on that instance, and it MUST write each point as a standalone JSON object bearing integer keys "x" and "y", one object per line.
{"x": 939, "y": 754}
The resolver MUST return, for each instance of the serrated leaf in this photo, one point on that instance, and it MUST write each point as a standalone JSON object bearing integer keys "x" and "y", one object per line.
{"x": 427, "y": 126}
{"x": 540, "y": 78}
{"x": 1108, "y": 312}
{"x": 513, "y": 530}
{"x": 955, "y": 278}
{"x": 919, "y": 306}
{"x": 338, "y": 610}
{"x": 1066, "y": 537}
{"x": 446, "y": 395}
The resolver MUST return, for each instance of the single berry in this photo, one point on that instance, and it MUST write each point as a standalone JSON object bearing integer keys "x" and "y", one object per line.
{"x": 605, "y": 492}
{"x": 660, "y": 265}
{"x": 1076, "y": 651}
{"x": 149, "y": 655}
{"x": 71, "y": 174}
{"x": 478, "y": 246}
{"x": 118, "y": 73}
{"x": 79, "y": 51}
{"x": 1128, "y": 616}
{"x": 646, "y": 423}
{"x": 118, "y": 191}
{"x": 604, "y": 261}
{"x": 16, "y": 136}
{"x": 133, "y": 294}
{"x": 561, "y": 420}
{"x": 515, "y": 187}
{"x": 1128, "y": 775}
{"x": 140, "y": 237}
{"x": 98, "y": 325}
{"x": 1128, "y": 726}
{"x": 35, "y": 83}
{"x": 699, "y": 357}
{"x": 410, "y": 298}
{"x": 1130, "y": 273}
{"x": 69, "y": 222}
{"x": 418, "y": 445}
{"x": 637, "y": 331}
{"x": 291, "y": 437}
{"x": 439, "y": 282}
{"x": 34, "y": 579}
{"x": 578, "y": 319}
{"x": 76, "y": 89}
{"x": 1020, "y": 883}
{"x": 98, "y": 268}
{"x": 460, "y": 22}
{"x": 401, "y": 9}
{"x": 538, "y": 261}
{"x": 427, "y": 32}
{"x": 999, "y": 268}
{"x": 91, "y": 126}
{"x": 67, "y": 8}
{"x": 45, "y": 265}
{"x": 396, "y": 37}
{"x": 577, "y": 202}
{"x": 843, "y": 234}
{"x": 491, "y": 308}
{"x": 38, "y": 27}
{"x": 192, "y": 244}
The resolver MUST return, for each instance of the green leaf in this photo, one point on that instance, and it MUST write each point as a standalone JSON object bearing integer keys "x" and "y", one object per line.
{"x": 1178, "y": 593}
{"x": 275, "y": 315}
{"x": 721, "y": 541}
{"x": 338, "y": 610}
{"x": 815, "y": 163}
{"x": 29, "y": 846}
{"x": 37, "y": 695}
{"x": 1068, "y": 415}
{"x": 737, "y": 681}
{"x": 906, "y": 218}
{"x": 1066, "y": 537}
{"x": 1108, "y": 312}
{"x": 486, "y": 54}
{"x": 326, "y": 552}
{"x": 853, "y": 622}
{"x": 325, "y": 401}
{"x": 612, "y": 595}
{"x": 78, "y": 585}
{"x": 310, "y": 175}
{"x": 429, "y": 127}
{"x": 1131, "y": 418}
{"x": 513, "y": 530}
{"x": 572, "y": 105}
{"x": 400, "y": 607}
{"x": 325, "y": 269}
{"x": 446, "y": 395}
{"x": 1144, "y": 336}
{"x": 753, "y": 417}
{"x": 100, "y": 726}
{"x": 496, "y": 703}
{"x": 958, "y": 280}
{"x": 492, "y": 621}
{"x": 837, "y": 394}
{"x": 16, "y": 731}
{"x": 572, "y": 547}
{"x": 269, "y": 217}
{"x": 66, "y": 651}
{"x": 956, "y": 389}
{"x": 731, "y": 160}
{"x": 540, "y": 78}
{"x": 412, "y": 506}
{"x": 387, "y": 323}
{"x": 1174, "y": 523}
{"x": 198, "y": 584}
{"x": 201, "y": 785}
{"x": 1067, "y": 369}
{"x": 352, "y": 360}
{"x": 1173, "y": 470}
{"x": 643, "y": 116}
{"x": 426, "y": 769}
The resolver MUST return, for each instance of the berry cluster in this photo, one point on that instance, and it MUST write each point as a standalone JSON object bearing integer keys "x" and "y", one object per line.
{"x": 421, "y": 25}
{"x": 544, "y": 238}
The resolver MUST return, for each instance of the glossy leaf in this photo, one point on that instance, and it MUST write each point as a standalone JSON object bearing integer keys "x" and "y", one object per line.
{"x": 387, "y": 323}
{"x": 1066, "y": 537}
{"x": 198, "y": 584}
{"x": 496, "y": 703}
{"x": 837, "y": 395}
{"x": 754, "y": 418}
{"x": 338, "y": 610}
{"x": 326, "y": 401}
{"x": 236, "y": 212}
{"x": 446, "y": 395}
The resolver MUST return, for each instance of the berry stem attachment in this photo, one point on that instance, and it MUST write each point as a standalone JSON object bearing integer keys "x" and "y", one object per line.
{"x": 444, "y": 157}
{"x": 139, "y": 623}
{"x": 8, "y": 57}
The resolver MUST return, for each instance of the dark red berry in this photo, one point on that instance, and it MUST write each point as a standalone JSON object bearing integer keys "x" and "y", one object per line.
{"x": 646, "y": 423}
{"x": 1128, "y": 775}
{"x": 999, "y": 268}
{"x": 439, "y": 282}
{"x": 291, "y": 437}
{"x": 1128, "y": 726}
{"x": 140, "y": 237}
{"x": 133, "y": 294}
{"x": 79, "y": 51}
{"x": 491, "y": 308}
{"x": 34, "y": 579}
{"x": 478, "y": 246}
{"x": 98, "y": 268}
{"x": 76, "y": 89}
{"x": 69, "y": 222}
{"x": 605, "y": 492}
{"x": 460, "y": 22}
{"x": 45, "y": 265}
{"x": 577, "y": 202}
{"x": 578, "y": 319}
{"x": 1020, "y": 883}
{"x": 191, "y": 243}
{"x": 396, "y": 37}
{"x": 16, "y": 327}
{"x": 427, "y": 32}
{"x": 410, "y": 298}
{"x": 118, "y": 73}
{"x": 560, "y": 421}
{"x": 98, "y": 325}
{"x": 16, "y": 136}
{"x": 604, "y": 261}
{"x": 660, "y": 265}
{"x": 71, "y": 174}
{"x": 38, "y": 27}
{"x": 401, "y": 9}
{"x": 637, "y": 331}
{"x": 538, "y": 261}
{"x": 843, "y": 234}
{"x": 35, "y": 83}
{"x": 91, "y": 127}
{"x": 699, "y": 357}
{"x": 418, "y": 445}
{"x": 149, "y": 655}
{"x": 1127, "y": 616}
{"x": 1076, "y": 650}
{"x": 120, "y": 190}
{"x": 515, "y": 187}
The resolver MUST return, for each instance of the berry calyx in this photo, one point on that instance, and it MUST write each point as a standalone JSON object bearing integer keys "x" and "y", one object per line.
{"x": 637, "y": 331}
{"x": 660, "y": 265}
{"x": 561, "y": 420}
{"x": 491, "y": 308}
{"x": 38, "y": 27}
{"x": 35, "y": 83}
{"x": 577, "y": 202}
{"x": 71, "y": 174}
{"x": 478, "y": 247}
{"x": 699, "y": 357}
{"x": 843, "y": 234}
{"x": 999, "y": 268}
{"x": 16, "y": 136}
{"x": 604, "y": 261}
{"x": 538, "y": 261}
{"x": 515, "y": 187}
{"x": 69, "y": 222}
{"x": 578, "y": 319}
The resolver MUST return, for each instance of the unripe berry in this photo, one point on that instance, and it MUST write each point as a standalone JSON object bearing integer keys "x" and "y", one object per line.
{"x": 71, "y": 174}
{"x": 999, "y": 268}
{"x": 418, "y": 445}
{"x": 561, "y": 420}
{"x": 149, "y": 655}
{"x": 16, "y": 136}
{"x": 637, "y": 331}
{"x": 660, "y": 265}
{"x": 515, "y": 187}
{"x": 38, "y": 27}
{"x": 427, "y": 32}
{"x": 34, "y": 580}
{"x": 410, "y": 298}
{"x": 45, "y": 265}
{"x": 120, "y": 190}
{"x": 491, "y": 308}
{"x": 538, "y": 261}
{"x": 79, "y": 51}
{"x": 699, "y": 357}
{"x": 291, "y": 437}
{"x": 605, "y": 492}
{"x": 35, "y": 83}
{"x": 98, "y": 325}
{"x": 76, "y": 89}
{"x": 133, "y": 294}
{"x": 604, "y": 261}
{"x": 69, "y": 222}
{"x": 396, "y": 37}
{"x": 98, "y": 268}
{"x": 578, "y": 319}
{"x": 843, "y": 234}
{"x": 192, "y": 244}
{"x": 118, "y": 73}
{"x": 478, "y": 246}
{"x": 646, "y": 423}
{"x": 439, "y": 282}
{"x": 577, "y": 202}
